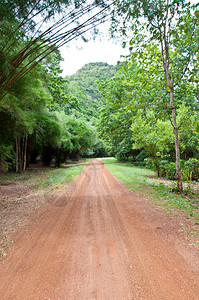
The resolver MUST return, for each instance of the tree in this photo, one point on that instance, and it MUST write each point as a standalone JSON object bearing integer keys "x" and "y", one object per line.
{"x": 89, "y": 77}
{"x": 153, "y": 135}
{"x": 25, "y": 100}
{"x": 7, "y": 153}
{"x": 80, "y": 135}
{"x": 46, "y": 137}
{"x": 23, "y": 20}
{"x": 173, "y": 26}
{"x": 115, "y": 117}
{"x": 53, "y": 78}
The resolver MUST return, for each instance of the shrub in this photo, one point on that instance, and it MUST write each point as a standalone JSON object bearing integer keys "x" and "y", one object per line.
{"x": 149, "y": 163}
{"x": 189, "y": 169}
{"x": 170, "y": 170}
{"x": 185, "y": 173}
{"x": 162, "y": 169}
{"x": 192, "y": 167}
{"x": 142, "y": 155}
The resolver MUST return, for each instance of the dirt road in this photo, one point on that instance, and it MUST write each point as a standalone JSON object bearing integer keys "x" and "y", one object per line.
{"x": 99, "y": 241}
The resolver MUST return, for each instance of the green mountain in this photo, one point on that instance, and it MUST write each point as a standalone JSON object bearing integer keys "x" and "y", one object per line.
{"x": 84, "y": 86}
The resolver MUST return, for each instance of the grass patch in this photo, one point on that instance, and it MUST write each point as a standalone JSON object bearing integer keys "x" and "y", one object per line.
{"x": 43, "y": 177}
{"x": 138, "y": 179}
{"x": 135, "y": 178}
{"x": 14, "y": 178}
{"x": 63, "y": 175}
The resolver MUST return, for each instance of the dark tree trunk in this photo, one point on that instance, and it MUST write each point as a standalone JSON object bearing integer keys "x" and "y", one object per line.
{"x": 177, "y": 146}
{"x": 21, "y": 153}
{"x": 17, "y": 152}
{"x": 25, "y": 152}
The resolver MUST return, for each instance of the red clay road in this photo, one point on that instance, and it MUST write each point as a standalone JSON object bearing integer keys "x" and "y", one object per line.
{"x": 99, "y": 241}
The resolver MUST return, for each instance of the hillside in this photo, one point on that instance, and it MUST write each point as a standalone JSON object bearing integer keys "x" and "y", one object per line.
{"x": 84, "y": 85}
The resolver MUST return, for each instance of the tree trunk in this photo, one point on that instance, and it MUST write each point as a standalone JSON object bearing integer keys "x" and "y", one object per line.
{"x": 177, "y": 147}
{"x": 22, "y": 155}
{"x": 17, "y": 153}
{"x": 25, "y": 153}
{"x": 165, "y": 60}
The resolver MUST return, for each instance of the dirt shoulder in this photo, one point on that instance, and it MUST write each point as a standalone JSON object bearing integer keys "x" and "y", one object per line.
{"x": 22, "y": 199}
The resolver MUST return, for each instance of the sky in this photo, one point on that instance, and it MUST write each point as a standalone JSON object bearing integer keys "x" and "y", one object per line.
{"x": 78, "y": 53}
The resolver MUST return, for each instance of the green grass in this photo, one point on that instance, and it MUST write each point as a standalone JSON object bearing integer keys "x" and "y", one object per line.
{"x": 59, "y": 176}
{"x": 138, "y": 179}
{"x": 135, "y": 178}
{"x": 41, "y": 178}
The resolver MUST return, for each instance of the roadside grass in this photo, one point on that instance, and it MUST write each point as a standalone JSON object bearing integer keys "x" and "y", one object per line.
{"x": 40, "y": 178}
{"x": 138, "y": 179}
{"x": 63, "y": 175}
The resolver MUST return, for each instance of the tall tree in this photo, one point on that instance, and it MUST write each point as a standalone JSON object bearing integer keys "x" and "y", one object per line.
{"x": 173, "y": 25}
{"x": 115, "y": 117}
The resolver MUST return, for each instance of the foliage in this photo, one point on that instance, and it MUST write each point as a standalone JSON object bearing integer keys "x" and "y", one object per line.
{"x": 55, "y": 82}
{"x": 139, "y": 94}
{"x": 83, "y": 87}
{"x": 192, "y": 166}
{"x": 170, "y": 170}
{"x": 42, "y": 115}
{"x": 39, "y": 111}
{"x": 7, "y": 157}
{"x": 151, "y": 133}
{"x": 27, "y": 38}
{"x": 80, "y": 135}
{"x": 60, "y": 137}
{"x": 89, "y": 77}
{"x": 173, "y": 26}
{"x": 115, "y": 117}
{"x": 190, "y": 169}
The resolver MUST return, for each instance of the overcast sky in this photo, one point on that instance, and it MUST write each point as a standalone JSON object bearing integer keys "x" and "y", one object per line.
{"x": 78, "y": 53}
{"x": 92, "y": 51}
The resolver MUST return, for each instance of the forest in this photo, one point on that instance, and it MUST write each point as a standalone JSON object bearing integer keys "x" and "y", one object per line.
{"x": 144, "y": 110}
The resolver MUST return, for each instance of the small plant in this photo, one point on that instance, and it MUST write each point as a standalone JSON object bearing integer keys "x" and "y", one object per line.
{"x": 163, "y": 163}
{"x": 173, "y": 187}
{"x": 188, "y": 190}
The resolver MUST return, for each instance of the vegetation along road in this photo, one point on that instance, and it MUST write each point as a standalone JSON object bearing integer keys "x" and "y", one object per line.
{"x": 98, "y": 240}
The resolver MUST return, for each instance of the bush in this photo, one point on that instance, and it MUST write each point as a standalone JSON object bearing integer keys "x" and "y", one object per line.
{"x": 162, "y": 169}
{"x": 192, "y": 168}
{"x": 170, "y": 170}
{"x": 189, "y": 169}
{"x": 140, "y": 164}
{"x": 141, "y": 156}
{"x": 149, "y": 163}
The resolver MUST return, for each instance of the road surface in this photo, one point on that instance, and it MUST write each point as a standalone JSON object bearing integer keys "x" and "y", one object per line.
{"x": 98, "y": 241}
